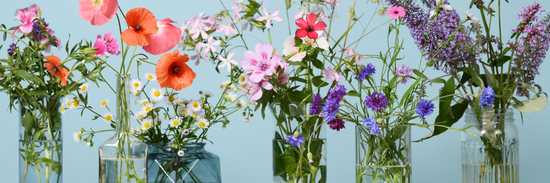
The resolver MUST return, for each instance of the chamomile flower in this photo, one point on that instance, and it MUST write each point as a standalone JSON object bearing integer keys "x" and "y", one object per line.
{"x": 171, "y": 99}
{"x": 174, "y": 122}
{"x": 77, "y": 137}
{"x": 144, "y": 102}
{"x": 228, "y": 85}
{"x": 107, "y": 117}
{"x": 231, "y": 97}
{"x": 243, "y": 80}
{"x": 68, "y": 102}
{"x": 183, "y": 101}
{"x": 194, "y": 105}
{"x": 202, "y": 122}
{"x": 103, "y": 103}
{"x": 147, "y": 124}
{"x": 62, "y": 109}
{"x": 136, "y": 85}
{"x": 181, "y": 153}
{"x": 74, "y": 104}
{"x": 140, "y": 115}
{"x": 83, "y": 88}
{"x": 147, "y": 107}
{"x": 156, "y": 93}
{"x": 150, "y": 77}
{"x": 207, "y": 94}
{"x": 241, "y": 104}
{"x": 183, "y": 110}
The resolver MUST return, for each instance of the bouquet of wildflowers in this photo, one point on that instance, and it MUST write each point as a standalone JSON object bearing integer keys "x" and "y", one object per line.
{"x": 38, "y": 82}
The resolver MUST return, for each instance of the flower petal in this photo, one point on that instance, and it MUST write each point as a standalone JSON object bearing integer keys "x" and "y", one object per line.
{"x": 311, "y": 18}
{"x": 301, "y": 23}
{"x": 166, "y": 38}
{"x": 301, "y": 33}
{"x": 320, "y": 26}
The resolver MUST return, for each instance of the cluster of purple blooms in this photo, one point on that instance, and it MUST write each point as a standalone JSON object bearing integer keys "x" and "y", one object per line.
{"x": 332, "y": 103}
{"x": 487, "y": 97}
{"x": 367, "y": 71}
{"x": 11, "y": 50}
{"x": 315, "y": 105}
{"x": 376, "y": 101}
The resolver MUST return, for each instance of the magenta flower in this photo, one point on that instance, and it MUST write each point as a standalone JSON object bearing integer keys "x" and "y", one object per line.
{"x": 402, "y": 72}
{"x": 227, "y": 61}
{"x": 269, "y": 17}
{"x": 260, "y": 64}
{"x": 332, "y": 75}
{"x": 255, "y": 89}
{"x": 396, "y": 12}
{"x": 106, "y": 45}
{"x": 310, "y": 27}
{"x": 26, "y": 16}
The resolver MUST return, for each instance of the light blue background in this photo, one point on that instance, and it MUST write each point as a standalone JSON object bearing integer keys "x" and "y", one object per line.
{"x": 245, "y": 148}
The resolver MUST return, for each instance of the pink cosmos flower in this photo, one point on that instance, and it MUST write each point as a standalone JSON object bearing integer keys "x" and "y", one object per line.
{"x": 402, "y": 72}
{"x": 166, "y": 38}
{"x": 260, "y": 64}
{"x": 26, "y": 16}
{"x": 332, "y": 75}
{"x": 227, "y": 61}
{"x": 269, "y": 17}
{"x": 227, "y": 29}
{"x": 310, "y": 27}
{"x": 396, "y": 12}
{"x": 97, "y": 12}
{"x": 100, "y": 45}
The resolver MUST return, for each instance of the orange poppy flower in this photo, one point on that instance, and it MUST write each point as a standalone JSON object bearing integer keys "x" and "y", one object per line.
{"x": 142, "y": 23}
{"x": 53, "y": 66}
{"x": 172, "y": 71}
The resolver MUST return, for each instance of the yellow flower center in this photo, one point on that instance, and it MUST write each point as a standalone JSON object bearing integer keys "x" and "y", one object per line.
{"x": 176, "y": 123}
{"x": 147, "y": 109}
{"x": 76, "y": 103}
{"x": 84, "y": 88}
{"x": 195, "y": 104}
{"x": 63, "y": 108}
{"x": 147, "y": 125}
{"x": 156, "y": 93}
{"x": 184, "y": 111}
{"x": 104, "y": 102}
{"x": 171, "y": 99}
{"x": 136, "y": 85}
{"x": 149, "y": 77}
{"x": 202, "y": 124}
{"x": 242, "y": 78}
{"x": 108, "y": 118}
{"x": 243, "y": 85}
{"x": 69, "y": 103}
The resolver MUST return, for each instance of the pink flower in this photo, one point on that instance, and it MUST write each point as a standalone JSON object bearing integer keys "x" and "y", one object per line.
{"x": 290, "y": 48}
{"x": 26, "y": 16}
{"x": 255, "y": 89}
{"x": 283, "y": 79}
{"x": 45, "y": 41}
{"x": 396, "y": 12}
{"x": 332, "y": 3}
{"x": 210, "y": 45}
{"x": 260, "y": 64}
{"x": 106, "y": 45}
{"x": 310, "y": 27}
{"x": 351, "y": 54}
{"x": 332, "y": 75}
{"x": 97, "y": 12}
{"x": 166, "y": 38}
{"x": 100, "y": 45}
{"x": 197, "y": 30}
{"x": 236, "y": 11}
{"x": 402, "y": 72}
{"x": 230, "y": 27}
{"x": 269, "y": 17}
{"x": 200, "y": 54}
{"x": 227, "y": 61}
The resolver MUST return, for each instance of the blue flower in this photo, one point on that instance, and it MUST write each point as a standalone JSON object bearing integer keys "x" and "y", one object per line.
{"x": 487, "y": 97}
{"x": 376, "y": 101}
{"x": 424, "y": 108}
{"x": 315, "y": 105}
{"x": 374, "y": 129}
{"x": 295, "y": 141}
{"x": 330, "y": 108}
{"x": 365, "y": 72}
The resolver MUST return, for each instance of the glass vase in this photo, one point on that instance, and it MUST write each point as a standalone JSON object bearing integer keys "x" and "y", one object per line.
{"x": 40, "y": 140}
{"x": 306, "y": 163}
{"x": 385, "y": 158}
{"x": 196, "y": 165}
{"x": 122, "y": 158}
{"x": 493, "y": 154}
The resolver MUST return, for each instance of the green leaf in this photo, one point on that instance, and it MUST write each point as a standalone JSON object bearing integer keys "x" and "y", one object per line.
{"x": 318, "y": 64}
{"x": 29, "y": 124}
{"x": 501, "y": 60}
{"x": 535, "y": 104}
{"x": 38, "y": 93}
{"x": 319, "y": 82}
{"x": 418, "y": 73}
{"x": 353, "y": 93}
{"x": 26, "y": 75}
{"x": 442, "y": 125}
{"x": 439, "y": 80}
{"x": 488, "y": 77}
{"x": 297, "y": 63}
{"x": 475, "y": 77}
{"x": 447, "y": 94}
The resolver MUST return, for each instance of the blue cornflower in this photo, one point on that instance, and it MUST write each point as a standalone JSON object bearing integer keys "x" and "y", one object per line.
{"x": 376, "y": 101}
{"x": 424, "y": 108}
{"x": 366, "y": 72}
{"x": 487, "y": 97}
{"x": 295, "y": 140}
{"x": 315, "y": 105}
{"x": 330, "y": 108}
{"x": 11, "y": 50}
{"x": 374, "y": 129}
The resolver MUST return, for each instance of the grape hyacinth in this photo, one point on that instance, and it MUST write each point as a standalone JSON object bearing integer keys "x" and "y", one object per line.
{"x": 336, "y": 124}
{"x": 374, "y": 129}
{"x": 332, "y": 103}
{"x": 487, "y": 97}
{"x": 367, "y": 71}
{"x": 425, "y": 108}
{"x": 315, "y": 105}
{"x": 376, "y": 101}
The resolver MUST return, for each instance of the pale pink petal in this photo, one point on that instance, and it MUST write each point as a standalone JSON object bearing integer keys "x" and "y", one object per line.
{"x": 265, "y": 50}
{"x": 166, "y": 38}
{"x": 278, "y": 19}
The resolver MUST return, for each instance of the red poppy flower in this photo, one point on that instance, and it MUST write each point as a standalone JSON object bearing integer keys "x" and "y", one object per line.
{"x": 172, "y": 71}
{"x": 309, "y": 27}
{"x": 142, "y": 23}
{"x": 53, "y": 66}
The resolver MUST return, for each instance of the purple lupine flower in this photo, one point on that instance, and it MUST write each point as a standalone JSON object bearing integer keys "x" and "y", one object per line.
{"x": 11, "y": 50}
{"x": 315, "y": 105}
{"x": 295, "y": 140}
{"x": 330, "y": 108}
{"x": 454, "y": 54}
{"x": 367, "y": 71}
{"x": 376, "y": 101}
{"x": 374, "y": 129}
{"x": 424, "y": 108}
{"x": 336, "y": 124}
{"x": 402, "y": 72}
{"x": 487, "y": 97}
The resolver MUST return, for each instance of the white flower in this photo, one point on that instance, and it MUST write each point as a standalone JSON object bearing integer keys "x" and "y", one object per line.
{"x": 247, "y": 120}
{"x": 181, "y": 153}
{"x": 107, "y": 117}
{"x": 69, "y": 102}
{"x": 227, "y": 62}
{"x": 62, "y": 109}
{"x": 202, "y": 122}
{"x": 147, "y": 124}
{"x": 229, "y": 96}
{"x": 144, "y": 102}
{"x": 150, "y": 77}
{"x": 228, "y": 85}
{"x": 442, "y": 6}
{"x": 241, "y": 104}
{"x": 184, "y": 111}
{"x": 156, "y": 94}
{"x": 243, "y": 80}
{"x": 140, "y": 115}
{"x": 103, "y": 103}
{"x": 136, "y": 85}
{"x": 194, "y": 105}
{"x": 470, "y": 16}
{"x": 147, "y": 108}
{"x": 171, "y": 99}
{"x": 174, "y": 122}
{"x": 290, "y": 48}
{"x": 77, "y": 137}
{"x": 135, "y": 94}
{"x": 207, "y": 94}
{"x": 74, "y": 104}
{"x": 83, "y": 88}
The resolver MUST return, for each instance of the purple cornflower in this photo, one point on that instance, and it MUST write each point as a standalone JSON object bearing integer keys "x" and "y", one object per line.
{"x": 424, "y": 108}
{"x": 330, "y": 108}
{"x": 376, "y": 101}
{"x": 366, "y": 72}
{"x": 315, "y": 105}
{"x": 402, "y": 72}
{"x": 11, "y": 50}
{"x": 295, "y": 140}
{"x": 374, "y": 129}
{"x": 487, "y": 97}
{"x": 336, "y": 124}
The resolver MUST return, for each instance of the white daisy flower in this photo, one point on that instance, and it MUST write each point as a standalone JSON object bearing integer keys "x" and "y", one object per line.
{"x": 83, "y": 88}
{"x": 68, "y": 102}
{"x": 107, "y": 117}
{"x": 202, "y": 122}
{"x": 243, "y": 81}
{"x": 208, "y": 94}
{"x": 140, "y": 115}
{"x": 171, "y": 99}
{"x": 174, "y": 122}
{"x": 231, "y": 97}
{"x": 144, "y": 102}
{"x": 62, "y": 109}
{"x": 147, "y": 124}
{"x": 136, "y": 85}
{"x": 135, "y": 94}
{"x": 150, "y": 77}
{"x": 156, "y": 93}
{"x": 228, "y": 85}
{"x": 183, "y": 101}
{"x": 241, "y": 104}
{"x": 103, "y": 103}
{"x": 194, "y": 105}
{"x": 74, "y": 104}
{"x": 181, "y": 153}
{"x": 184, "y": 111}
{"x": 147, "y": 107}
{"x": 77, "y": 137}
